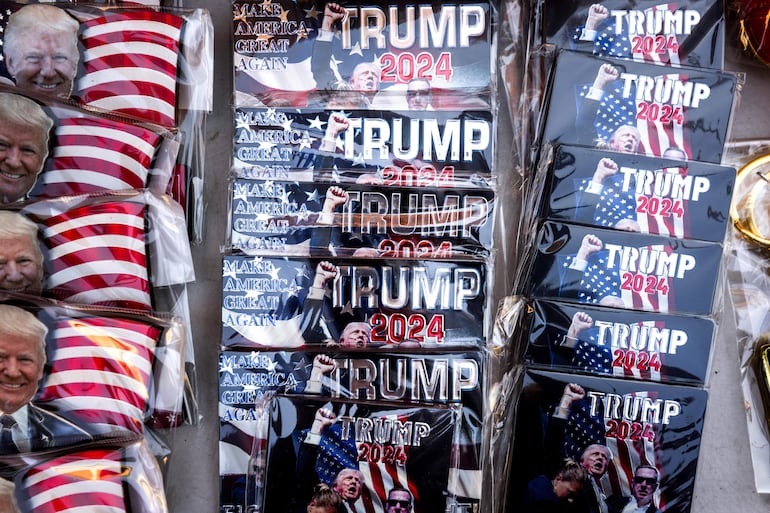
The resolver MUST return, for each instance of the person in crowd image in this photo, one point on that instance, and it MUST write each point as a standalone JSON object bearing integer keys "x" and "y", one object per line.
{"x": 560, "y": 494}
{"x": 41, "y": 49}
{"x": 594, "y": 458}
{"x": 21, "y": 261}
{"x": 418, "y": 94}
{"x": 399, "y": 500}
{"x": 24, "y": 134}
{"x": 356, "y": 335}
{"x": 24, "y": 426}
{"x": 643, "y": 487}
{"x": 326, "y": 500}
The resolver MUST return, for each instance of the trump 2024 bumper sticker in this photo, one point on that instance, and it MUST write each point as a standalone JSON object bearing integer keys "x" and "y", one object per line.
{"x": 687, "y": 33}
{"x": 640, "y": 108}
{"x": 625, "y": 270}
{"x": 682, "y": 199}
{"x": 442, "y": 149}
{"x": 621, "y": 429}
{"x": 287, "y": 53}
{"x": 400, "y": 378}
{"x": 352, "y": 303}
{"x": 367, "y": 449}
{"x": 606, "y": 341}
{"x": 303, "y": 218}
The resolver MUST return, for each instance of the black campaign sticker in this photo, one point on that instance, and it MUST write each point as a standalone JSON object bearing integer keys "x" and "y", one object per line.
{"x": 354, "y": 303}
{"x": 381, "y": 446}
{"x": 367, "y": 53}
{"x": 309, "y": 218}
{"x": 671, "y": 197}
{"x": 620, "y": 429}
{"x": 625, "y": 270}
{"x": 441, "y": 149}
{"x": 686, "y": 33}
{"x": 640, "y": 108}
{"x": 620, "y": 343}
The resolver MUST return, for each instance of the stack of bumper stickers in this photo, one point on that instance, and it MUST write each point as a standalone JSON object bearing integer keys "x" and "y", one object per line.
{"x": 357, "y": 265}
{"x": 614, "y": 312}
{"x": 97, "y": 363}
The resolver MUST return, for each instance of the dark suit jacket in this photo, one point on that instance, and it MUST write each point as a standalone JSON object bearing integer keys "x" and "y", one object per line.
{"x": 47, "y": 429}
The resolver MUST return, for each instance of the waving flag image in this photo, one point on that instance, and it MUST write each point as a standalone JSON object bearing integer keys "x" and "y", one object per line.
{"x": 97, "y": 255}
{"x": 639, "y": 423}
{"x": 101, "y": 371}
{"x": 93, "y": 154}
{"x": 131, "y": 61}
{"x": 382, "y": 446}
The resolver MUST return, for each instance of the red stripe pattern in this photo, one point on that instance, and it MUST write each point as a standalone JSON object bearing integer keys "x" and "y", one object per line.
{"x": 93, "y": 154}
{"x": 101, "y": 370}
{"x": 130, "y": 61}
{"x": 84, "y": 481}
{"x": 97, "y": 255}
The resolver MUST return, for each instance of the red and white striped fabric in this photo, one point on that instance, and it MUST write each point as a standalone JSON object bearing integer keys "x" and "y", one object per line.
{"x": 130, "y": 60}
{"x": 101, "y": 370}
{"x": 97, "y": 255}
{"x": 95, "y": 154}
{"x": 120, "y": 478}
{"x": 89, "y": 480}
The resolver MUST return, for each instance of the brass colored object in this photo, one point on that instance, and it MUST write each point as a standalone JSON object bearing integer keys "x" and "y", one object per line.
{"x": 750, "y": 210}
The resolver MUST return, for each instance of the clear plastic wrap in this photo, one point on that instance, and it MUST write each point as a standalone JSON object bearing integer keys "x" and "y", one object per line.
{"x": 389, "y": 379}
{"x": 344, "y": 52}
{"x": 747, "y": 257}
{"x": 118, "y": 474}
{"x": 288, "y": 302}
{"x": 86, "y": 151}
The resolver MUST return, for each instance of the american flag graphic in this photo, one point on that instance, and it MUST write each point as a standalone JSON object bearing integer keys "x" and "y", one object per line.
{"x": 653, "y": 299}
{"x": 90, "y": 480}
{"x": 616, "y": 204}
{"x": 657, "y": 133}
{"x": 583, "y": 429}
{"x": 130, "y": 61}
{"x": 598, "y": 279}
{"x": 97, "y": 255}
{"x": 119, "y": 478}
{"x": 101, "y": 371}
{"x": 93, "y": 154}
{"x": 610, "y": 44}
{"x": 591, "y": 357}
{"x": 675, "y": 223}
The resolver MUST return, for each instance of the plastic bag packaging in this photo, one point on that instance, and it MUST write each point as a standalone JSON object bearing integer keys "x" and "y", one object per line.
{"x": 85, "y": 151}
{"x": 338, "y": 439}
{"x": 162, "y": 72}
{"x": 303, "y": 218}
{"x": 426, "y": 148}
{"x": 353, "y": 302}
{"x": 371, "y": 68}
{"x": 120, "y": 474}
{"x": 748, "y": 292}
{"x": 500, "y": 390}
{"x": 632, "y": 423}
{"x": 396, "y": 378}
{"x": 108, "y": 369}
{"x": 151, "y": 228}
{"x": 672, "y": 35}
